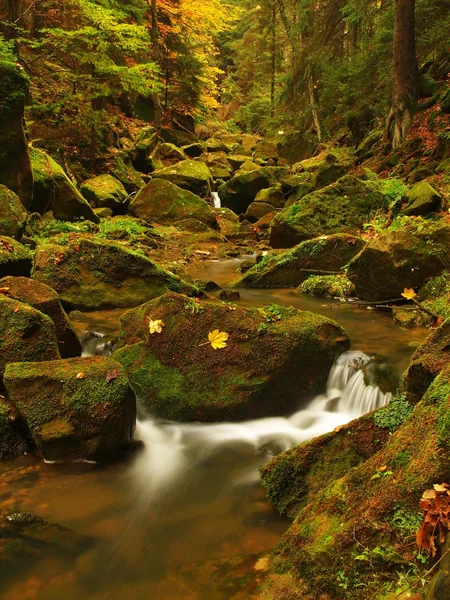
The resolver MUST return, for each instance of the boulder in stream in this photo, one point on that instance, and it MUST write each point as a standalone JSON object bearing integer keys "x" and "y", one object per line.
{"x": 15, "y": 259}
{"x": 273, "y": 358}
{"x": 241, "y": 190}
{"x": 93, "y": 274}
{"x": 76, "y": 408}
{"x": 12, "y": 443}
{"x": 46, "y": 300}
{"x": 191, "y": 175}
{"x": 13, "y": 216}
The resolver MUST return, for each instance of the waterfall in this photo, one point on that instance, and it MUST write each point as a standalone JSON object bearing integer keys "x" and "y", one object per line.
{"x": 171, "y": 449}
{"x": 216, "y": 200}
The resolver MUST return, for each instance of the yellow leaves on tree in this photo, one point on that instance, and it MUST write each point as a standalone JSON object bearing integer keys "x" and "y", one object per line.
{"x": 218, "y": 339}
{"x": 155, "y": 326}
{"x": 435, "y": 504}
{"x": 409, "y": 293}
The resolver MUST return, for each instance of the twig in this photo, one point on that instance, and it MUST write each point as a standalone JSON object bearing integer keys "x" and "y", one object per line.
{"x": 419, "y": 579}
{"x": 425, "y": 310}
{"x": 319, "y": 272}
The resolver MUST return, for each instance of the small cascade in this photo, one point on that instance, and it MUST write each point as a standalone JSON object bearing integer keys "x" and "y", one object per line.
{"x": 216, "y": 200}
{"x": 172, "y": 449}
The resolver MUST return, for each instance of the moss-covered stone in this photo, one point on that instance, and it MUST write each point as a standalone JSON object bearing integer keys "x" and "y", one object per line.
{"x": 266, "y": 368}
{"x": 105, "y": 191}
{"x": 26, "y": 334}
{"x": 12, "y": 443}
{"x": 327, "y": 173}
{"x": 75, "y": 409}
{"x": 90, "y": 274}
{"x": 422, "y": 199}
{"x": 285, "y": 270}
{"x": 166, "y": 154}
{"x": 15, "y": 166}
{"x": 237, "y": 160}
{"x": 162, "y": 201}
{"x": 258, "y": 210}
{"x": 191, "y": 175}
{"x": 46, "y": 300}
{"x": 54, "y": 191}
{"x": 329, "y": 286}
{"x": 15, "y": 259}
{"x": 241, "y": 190}
{"x": 13, "y": 216}
{"x": 121, "y": 167}
{"x": 341, "y": 207}
{"x": 273, "y": 195}
{"x": 401, "y": 259}
{"x": 145, "y": 144}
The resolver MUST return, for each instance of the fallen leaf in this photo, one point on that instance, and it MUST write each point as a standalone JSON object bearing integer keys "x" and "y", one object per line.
{"x": 16, "y": 309}
{"x": 113, "y": 374}
{"x": 409, "y": 293}
{"x": 155, "y": 326}
{"x": 4, "y": 290}
{"x": 382, "y": 468}
{"x": 218, "y": 339}
{"x": 80, "y": 375}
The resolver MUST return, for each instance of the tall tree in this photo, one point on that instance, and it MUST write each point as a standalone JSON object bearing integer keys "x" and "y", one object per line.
{"x": 404, "y": 73}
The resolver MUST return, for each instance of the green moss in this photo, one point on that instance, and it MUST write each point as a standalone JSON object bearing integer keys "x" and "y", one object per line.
{"x": 394, "y": 414}
{"x": 328, "y": 286}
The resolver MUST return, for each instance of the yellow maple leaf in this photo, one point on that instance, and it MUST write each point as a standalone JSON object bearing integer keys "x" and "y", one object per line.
{"x": 218, "y": 339}
{"x": 409, "y": 293}
{"x": 155, "y": 326}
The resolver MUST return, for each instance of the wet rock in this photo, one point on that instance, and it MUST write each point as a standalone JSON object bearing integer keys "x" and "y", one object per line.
{"x": 46, "y": 300}
{"x": 341, "y": 207}
{"x": 26, "y": 334}
{"x": 401, "y": 259}
{"x": 328, "y": 286}
{"x": 190, "y": 175}
{"x": 229, "y": 295}
{"x": 258, "y": 210}
{"x": 179, "y": 375}
{"x": 121, "y": 167}
{"x": 13, "y": 216}
{"x": 285, "y": 270}
{"x": 422, "y": 199}
{"x": 76, "y": 409}
{"x": 15, "y": 166}
{"x": 54, "y": 191}
{"x": 12, "y": 444}
{"x": 166, "y": 154}
{"x": 161, "y": 201}
{"x": 105, "y": 191}
{"x": 241, "y": 190}
{"x": 90, "y": 274}
{"x": 15, "y": 259}
{"x": 273, "y": 196}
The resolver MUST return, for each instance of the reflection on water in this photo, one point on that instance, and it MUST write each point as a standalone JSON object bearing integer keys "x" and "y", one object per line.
{"x": 156, "y": 519}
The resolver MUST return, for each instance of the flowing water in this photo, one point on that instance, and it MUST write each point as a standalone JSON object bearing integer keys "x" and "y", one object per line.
{"x": 156, "y": 522}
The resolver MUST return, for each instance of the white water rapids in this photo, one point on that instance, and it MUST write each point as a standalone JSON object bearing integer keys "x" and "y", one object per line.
{"x": 173, "y": 449}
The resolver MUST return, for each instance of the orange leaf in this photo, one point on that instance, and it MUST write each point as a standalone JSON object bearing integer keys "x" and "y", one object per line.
{"x": 80, "y": 375}
{"x": 4, "y": 290}
{"x": 113, "y": 374}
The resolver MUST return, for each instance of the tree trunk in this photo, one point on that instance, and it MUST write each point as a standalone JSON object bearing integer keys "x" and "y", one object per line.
{"x": 274, "y": 59}
{"x": 404, "y": 74}
{"x": 155, "y": 55}
{"x": 313, "y": 103}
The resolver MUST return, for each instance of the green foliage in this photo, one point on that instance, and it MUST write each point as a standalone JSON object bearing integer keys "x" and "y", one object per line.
{"x": 394, "y": 414}
{"x": 7, "y": 50}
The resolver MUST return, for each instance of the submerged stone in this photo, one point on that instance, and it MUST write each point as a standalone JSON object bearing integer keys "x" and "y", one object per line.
{"x": 75, "y": 409}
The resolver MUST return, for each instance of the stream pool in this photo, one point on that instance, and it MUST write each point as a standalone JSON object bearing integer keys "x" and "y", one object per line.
{"x": 155, "y": 522}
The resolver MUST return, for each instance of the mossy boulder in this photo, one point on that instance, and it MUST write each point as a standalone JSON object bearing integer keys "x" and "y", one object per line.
{"x": 286, "y": 270}
{"x": 145, "y": 144}
{"x": 15, "y": 259}
{"x": 241, "y": 190}
{"x": 91, "y": 274}
{"x": 75, "y": 409}
{"x": 46, "y": 300}
{"x": 328, "y": 286}
{"x": 54, "y": 191}
{"x": 327, "y": 173}
{"x": 191, "y": 175}
{"x": 445, "y": 101}
{"x": 193, "y": 150}
{"x": 105, "y": 191}
{"x": 422, "y": 200}
{"x": 273, "y": 195}
{"x": 299, "y": 192}
{"x": 26, "y": 334}
{"x": 12, "y": 443}
{"x": 265, "y": 150}
{"x": 13, "y": 215}
{"x": 342, "y": 207}
{"x": 237, "y": 160}
{"x": 401, "y": 259}
{"x": 162, "y": 201}
{"x": 120, "y": 166}
{"x": 258, "y": 210}
{"x": 15, "y": 166}
{"x": 267, "y": 367}
{"x": 166, "y": 154}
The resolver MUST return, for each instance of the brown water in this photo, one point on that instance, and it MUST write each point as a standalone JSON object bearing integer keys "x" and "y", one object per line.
{"x": 142, "y": 544}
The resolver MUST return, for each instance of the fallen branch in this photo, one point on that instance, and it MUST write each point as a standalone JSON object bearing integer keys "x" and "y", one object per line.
{"x": 319, "y": 272}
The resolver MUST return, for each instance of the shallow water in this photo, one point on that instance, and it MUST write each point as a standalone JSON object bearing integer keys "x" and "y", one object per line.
{"x": 191, "y": 496}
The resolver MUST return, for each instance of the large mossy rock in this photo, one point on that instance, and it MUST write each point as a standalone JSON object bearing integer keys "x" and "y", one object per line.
{"x": 46, "y": 300}
{"x": 13, "y": 216}
{"x": 401, "y": 259}
{"x": 258, "y": 210}
{"x": 75, "y": 409}
{"x": 161, "y": 201}
{"x": 26, "y": 334}
{"x": 121, "y": 167}
{"x": 266, "y": 368}
{"x": 273, "y": 195}
{"x": 286, "y": 270}
{"x": 54, "y": 191}
{"x": 15, "y": 259}
{"x": 146, "y": 142}
{"x": 15, "y": 166}
{"x": 342, "y": 207}
{"x": 327, "y": 174}
{"x": 105, "y": 191}
{"x": 191, "y": 175}
{"x": 422, "y": 200}
{"x": 89, "y": 274}
{"x": 242, "y": 189}
{"x": 366, "y": 508}
{"x": 12, "y": 443}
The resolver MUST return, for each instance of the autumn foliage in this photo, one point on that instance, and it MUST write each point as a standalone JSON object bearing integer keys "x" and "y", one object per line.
{"x": 435, "y": 504}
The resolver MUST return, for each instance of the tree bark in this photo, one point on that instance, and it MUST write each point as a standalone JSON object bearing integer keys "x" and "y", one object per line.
{"x": 157, "y": 108}
{"x": 274, "y": 59}
{"x": 404, "y": 74}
